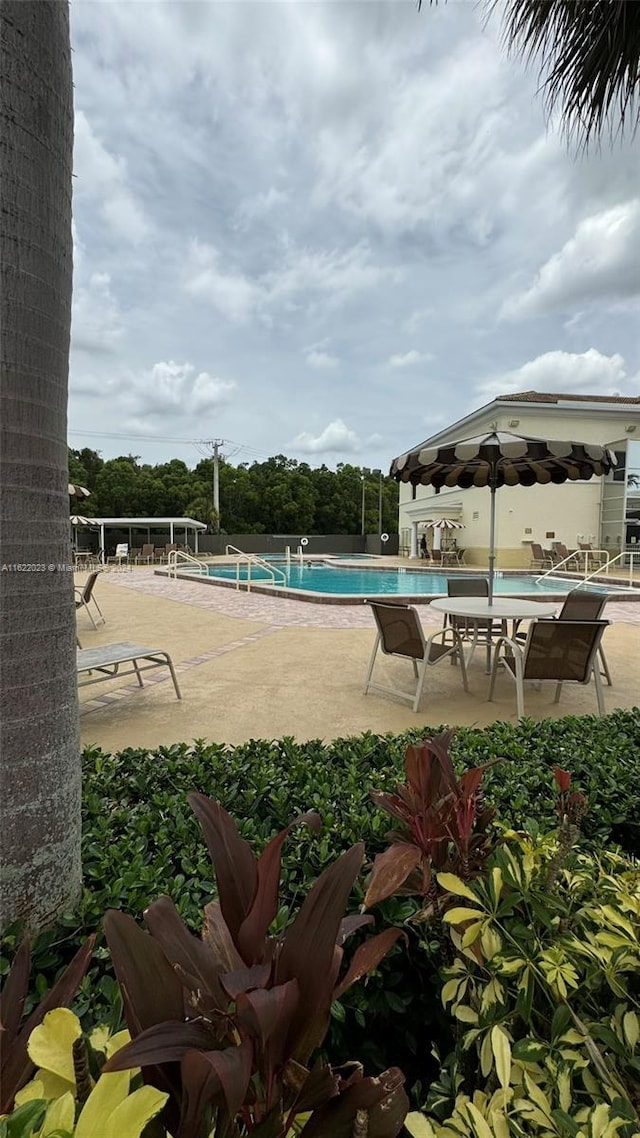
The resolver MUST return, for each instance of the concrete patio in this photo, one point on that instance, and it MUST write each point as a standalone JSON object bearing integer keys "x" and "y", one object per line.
{"x": 253, "y": 666}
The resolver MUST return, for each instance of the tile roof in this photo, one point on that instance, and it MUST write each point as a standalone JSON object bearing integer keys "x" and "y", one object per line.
{"x": 546, "y": 397}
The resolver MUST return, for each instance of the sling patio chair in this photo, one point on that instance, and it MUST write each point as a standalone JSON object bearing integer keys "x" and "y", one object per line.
{"x": 580, "y": 604}
{"x": 555, "y": 651}
{"x": 400, "y": 633}
{"x": 564, "y": 555}
{"x": 475, "y": 631}
{"x": 85, "y": 598}
{"x": 540, "y": 559}
{"x": 584, "y": 605}
{"x": 145, "y": 555}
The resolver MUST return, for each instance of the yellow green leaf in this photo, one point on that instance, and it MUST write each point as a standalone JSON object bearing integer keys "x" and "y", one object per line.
{"x": 496, "y": 884}
{"x": 418, "y": 1126}
{"x": 116, "y": 1042}
{"x": 599, "y": 1120}
{"x": 490, "y": 942}
{"x": 502, "y": 1054}
{"x": 60, "y": 1114}
{"x": 50, "y": 1045}
{"x": 109, "y": 1091}
{"x": 538, "y": 1096}
{"x": 486, "y": 1056}
{"x": 631, "y": 1028}
{"x": 131, "y": 1116}
{"x": 459, "y": 916}
{"x": 32, "y": 1090}
{"x": 455, "y": 885}
{"x": 480, "y": 1126}
{"x": 499, "y": 1124}
{"x": 564, "y": 1090}
{"x": 471, "y": 934}
{"x": 450, "y": 990}
{"x": 99, "y": 1037}
{"x": 467, "y": 1015}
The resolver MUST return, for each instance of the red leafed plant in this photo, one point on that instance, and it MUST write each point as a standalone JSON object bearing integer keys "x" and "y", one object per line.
{"x": 16, "y": 1068}
{"x": 444, "y": 825}
{"x": 228, "y": 1023}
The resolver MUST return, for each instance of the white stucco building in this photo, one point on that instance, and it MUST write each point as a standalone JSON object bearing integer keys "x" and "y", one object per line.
{"x": 602, "y": 511}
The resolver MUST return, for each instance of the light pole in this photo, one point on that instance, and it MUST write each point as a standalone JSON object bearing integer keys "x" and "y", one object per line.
{"x": 380, "y": 503}
{"x": 362, "y": 512}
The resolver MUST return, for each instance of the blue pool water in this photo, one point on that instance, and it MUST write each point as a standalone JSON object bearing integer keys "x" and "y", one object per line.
{"x": 378, "y": 582}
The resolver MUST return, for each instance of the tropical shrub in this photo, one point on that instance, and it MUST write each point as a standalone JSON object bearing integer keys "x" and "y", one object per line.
{"x": 139, "y": 795}
{"x": 64, "y": 1099}
{"x": 545, "y": 987}
{"x": 16, "y": 1064}
{"x": 243, "y": 1010}
{"x": 444, "y": 826}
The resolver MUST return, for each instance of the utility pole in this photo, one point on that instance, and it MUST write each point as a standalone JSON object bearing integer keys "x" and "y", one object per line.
{"x": 362, "y": 513}
{"x": 216, "y": 444}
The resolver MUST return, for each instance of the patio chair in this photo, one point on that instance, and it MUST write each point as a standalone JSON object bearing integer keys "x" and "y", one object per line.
{"x": 563, "y": 554}
{"x": 145, "y": 554}
{"x": 400, "y": 634}
{"x": 475, "y": 631}
{"x": 159, "y": 554}
{"x": 436, "y": 556}
{"x": 540, "y": 559}
{"x": 85, "y": 598}
{"x": 583, "y": 605}
{"x": 121, "y": 555}
{"x": 557, "y": 651}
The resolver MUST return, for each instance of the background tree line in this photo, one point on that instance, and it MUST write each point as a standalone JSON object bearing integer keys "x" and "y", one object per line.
{"x": 280, "y": 495}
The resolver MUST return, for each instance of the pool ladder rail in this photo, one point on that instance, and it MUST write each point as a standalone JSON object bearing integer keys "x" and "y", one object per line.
{"x": 250, "y": 559}
{"x": 178, "y": 556}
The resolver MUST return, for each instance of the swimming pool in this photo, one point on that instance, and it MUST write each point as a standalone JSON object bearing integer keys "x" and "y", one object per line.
{"x": 339, "y": 582}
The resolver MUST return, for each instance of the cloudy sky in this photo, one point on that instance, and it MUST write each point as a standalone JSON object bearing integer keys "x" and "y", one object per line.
{"x": 329, "y": 229}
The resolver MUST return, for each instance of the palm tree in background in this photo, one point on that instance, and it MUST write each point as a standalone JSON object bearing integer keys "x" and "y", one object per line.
{"x": 588, "y": 55}
{"x": 39, "y": 742}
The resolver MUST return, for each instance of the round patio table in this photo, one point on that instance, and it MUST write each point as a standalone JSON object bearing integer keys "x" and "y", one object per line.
{"x": 502, "y": 609}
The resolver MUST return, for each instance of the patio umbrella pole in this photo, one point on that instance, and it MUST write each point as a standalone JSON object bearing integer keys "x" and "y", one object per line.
{"x": 492, "y": 536}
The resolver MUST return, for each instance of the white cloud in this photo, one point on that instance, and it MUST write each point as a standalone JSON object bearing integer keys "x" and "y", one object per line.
{"x": 588, "y": 373}
{"x": 232, "y": 294}
{"x": 166, "y": 390}
{"x": 408, "y": 359}
{"x": 96, "y": 324}
{"x": 322, "y": 361}
{"x": 336, "y": 437}
{"x": 600, "y": 262}
{"x": 335, "y": 275}
{"x": 103, "y": 177}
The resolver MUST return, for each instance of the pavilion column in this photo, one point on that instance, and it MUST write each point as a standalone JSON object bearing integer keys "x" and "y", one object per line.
{"x": 413, "y": 552}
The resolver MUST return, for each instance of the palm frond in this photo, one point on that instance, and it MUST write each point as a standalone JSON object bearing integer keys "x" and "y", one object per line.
{"x": 588, "y": 54}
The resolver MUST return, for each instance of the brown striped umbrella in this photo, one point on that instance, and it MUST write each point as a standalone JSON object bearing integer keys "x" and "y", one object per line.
{"x": 500, "y": 459}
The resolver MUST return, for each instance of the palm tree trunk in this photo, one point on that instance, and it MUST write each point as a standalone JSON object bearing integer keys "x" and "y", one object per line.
{"x": 39, "y": 739}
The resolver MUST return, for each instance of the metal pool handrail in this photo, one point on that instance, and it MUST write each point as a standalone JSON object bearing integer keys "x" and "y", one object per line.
{"x": 631, "y": 554}
{"x": 253, "y": 559}
{"x": 179, "y": 554}
{"x": 572, "y": 557}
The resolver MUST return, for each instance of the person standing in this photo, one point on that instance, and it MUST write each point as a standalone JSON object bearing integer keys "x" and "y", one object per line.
{"x": 423, "y": 547}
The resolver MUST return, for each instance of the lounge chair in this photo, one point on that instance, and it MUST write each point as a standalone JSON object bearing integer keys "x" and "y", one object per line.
{"x": 563, "y": 555}
{"x": 596, "y": 558}
{"x": 400, "y": 634}
{"x": 108, "y": 659}
{"x": 558, "y": 651}
{"x": 85, "y": 598}
{"x": 121, "y": 555}
{"x": 145, "y": 554}
{"x": 540, "y": 558}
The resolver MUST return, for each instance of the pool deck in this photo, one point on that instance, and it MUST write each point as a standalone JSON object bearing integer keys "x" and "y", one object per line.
{"x": 257, "y": 666}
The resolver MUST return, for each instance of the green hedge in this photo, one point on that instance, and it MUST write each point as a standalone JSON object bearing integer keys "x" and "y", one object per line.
{"x": 141, "y": 839}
